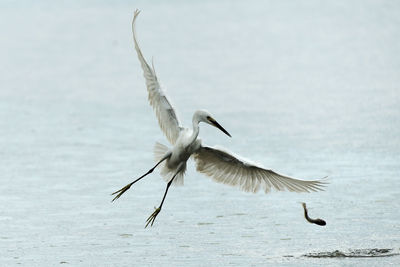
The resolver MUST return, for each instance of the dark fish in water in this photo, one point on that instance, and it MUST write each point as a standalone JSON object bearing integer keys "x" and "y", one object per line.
{"x": 316, "y": 221}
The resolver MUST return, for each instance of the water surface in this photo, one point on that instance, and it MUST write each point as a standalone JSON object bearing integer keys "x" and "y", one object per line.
{"x": 306, "y": 88}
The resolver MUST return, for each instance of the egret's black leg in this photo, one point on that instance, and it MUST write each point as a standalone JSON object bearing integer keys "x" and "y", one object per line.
{"x": 125, "y": 188}
{"x": 153, "y": 216}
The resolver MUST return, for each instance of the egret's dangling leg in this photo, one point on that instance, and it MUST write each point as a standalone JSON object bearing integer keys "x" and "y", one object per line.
{"x": 125, "y": 188}
{"x": 153, "y": 216}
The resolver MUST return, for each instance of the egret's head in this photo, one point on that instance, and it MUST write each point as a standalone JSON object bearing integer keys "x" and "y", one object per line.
{"x": 205, "y": 116}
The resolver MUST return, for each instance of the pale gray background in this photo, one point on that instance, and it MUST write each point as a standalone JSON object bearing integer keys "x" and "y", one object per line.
{"x": 307, "y": 88}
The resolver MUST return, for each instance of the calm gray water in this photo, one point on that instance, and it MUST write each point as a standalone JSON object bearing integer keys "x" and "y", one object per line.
{"x": 307, "y": 88}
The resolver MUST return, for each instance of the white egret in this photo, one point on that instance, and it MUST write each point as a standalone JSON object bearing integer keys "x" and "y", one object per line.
{"x": 217, "y": 163}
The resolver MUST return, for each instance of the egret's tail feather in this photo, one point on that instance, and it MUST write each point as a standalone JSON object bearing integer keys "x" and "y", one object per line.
{"x": 178, "y": 180}
{"x": 159, "y": 152}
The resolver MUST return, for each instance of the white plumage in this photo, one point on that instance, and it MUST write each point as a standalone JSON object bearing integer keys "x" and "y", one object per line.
{"x": 166, "y": 115}
{"x": 222, "y": 166}
{"x": 226, "y": 168}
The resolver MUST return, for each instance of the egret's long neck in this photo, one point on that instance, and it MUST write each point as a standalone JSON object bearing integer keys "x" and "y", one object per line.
{"x": 196, "y": 128}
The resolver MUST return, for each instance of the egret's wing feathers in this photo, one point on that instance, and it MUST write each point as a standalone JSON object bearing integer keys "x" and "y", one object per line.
{"x": 226, "y": 168}
{"x": 166, "y": 115}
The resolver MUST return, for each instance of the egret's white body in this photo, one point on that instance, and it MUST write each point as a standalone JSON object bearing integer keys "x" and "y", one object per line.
{"x": 221, "y": 165}
{"x": 185, "y": 146}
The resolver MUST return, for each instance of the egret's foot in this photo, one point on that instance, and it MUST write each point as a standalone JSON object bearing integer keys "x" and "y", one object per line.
{"x": 152, "y": 217}
{"x": 121, "y": 191}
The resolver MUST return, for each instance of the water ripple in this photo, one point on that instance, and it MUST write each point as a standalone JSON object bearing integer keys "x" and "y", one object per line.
{"x": 354, "y": 253}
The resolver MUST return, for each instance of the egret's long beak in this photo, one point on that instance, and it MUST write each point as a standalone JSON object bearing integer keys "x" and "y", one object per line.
{"x": 216, "y": 124}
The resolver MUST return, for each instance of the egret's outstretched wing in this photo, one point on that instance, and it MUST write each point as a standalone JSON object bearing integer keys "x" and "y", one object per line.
{"x": 166, "y": 115}
{"x": 226, "y": 168}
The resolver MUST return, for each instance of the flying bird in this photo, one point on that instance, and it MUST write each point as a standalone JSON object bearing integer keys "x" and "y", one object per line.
{"x": 222, "y": 166}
